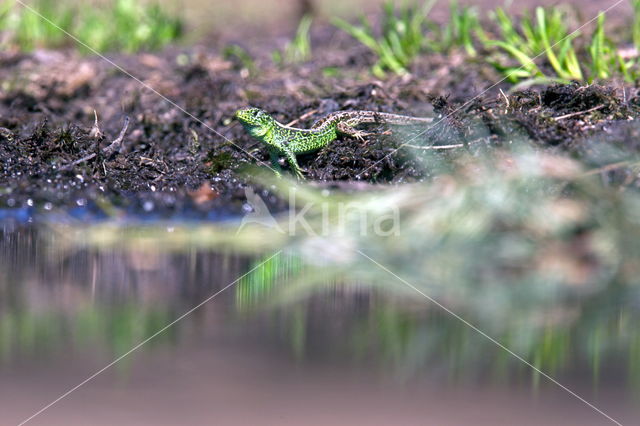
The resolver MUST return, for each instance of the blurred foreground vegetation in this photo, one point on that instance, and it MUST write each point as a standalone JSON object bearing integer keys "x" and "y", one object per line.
{"x": 538, "y": 250}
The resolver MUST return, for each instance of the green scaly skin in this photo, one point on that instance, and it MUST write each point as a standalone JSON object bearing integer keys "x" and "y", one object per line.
{"x": 290, "y": 141}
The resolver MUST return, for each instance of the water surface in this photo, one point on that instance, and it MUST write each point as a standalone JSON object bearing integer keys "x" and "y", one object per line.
{"x": 345, "y": 353}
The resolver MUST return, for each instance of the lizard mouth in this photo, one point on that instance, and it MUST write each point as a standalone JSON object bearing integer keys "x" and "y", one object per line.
{"x": 255, "y": 131}
{"x": 245, "y": 116}
{"x": 239, "y": 116}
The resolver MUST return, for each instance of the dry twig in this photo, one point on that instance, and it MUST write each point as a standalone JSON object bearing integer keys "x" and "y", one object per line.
{"x": 573, "y": 114}
{"x": 106, "y": 151}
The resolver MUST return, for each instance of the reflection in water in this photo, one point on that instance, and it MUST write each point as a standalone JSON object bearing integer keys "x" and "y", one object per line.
{"x": 89, "y": 304}
{"x": 52, "y": 297}
{"x": 597, "y": 340}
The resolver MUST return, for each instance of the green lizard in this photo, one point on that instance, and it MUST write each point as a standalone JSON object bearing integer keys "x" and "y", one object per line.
{"x": 290, "y": 141}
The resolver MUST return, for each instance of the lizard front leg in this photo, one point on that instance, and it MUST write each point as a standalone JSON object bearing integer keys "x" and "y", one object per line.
{"x": 275, "y": 165}
{"x": 293, "y": 163}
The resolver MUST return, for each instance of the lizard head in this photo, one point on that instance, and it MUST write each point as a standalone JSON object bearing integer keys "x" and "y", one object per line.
{"x": 255, "y": 121}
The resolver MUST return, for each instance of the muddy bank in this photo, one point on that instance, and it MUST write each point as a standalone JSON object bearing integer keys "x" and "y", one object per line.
{"x": 54, "y": 157}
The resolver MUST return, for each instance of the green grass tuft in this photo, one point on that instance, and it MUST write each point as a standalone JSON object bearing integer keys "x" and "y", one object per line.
{"x": 400, "y": 40}
{"x": 635, "y": 26}
{"x": 241, "y": 56}
{"x": 602, "y": 53}
{"x": 523, "y": 45}
{"x": 535, "y": 49}
{"x": 459, "y": 31}
{"x": 299, "y": 48}
{"x": 122, "y": 25}
{"x": 546, "y": 35}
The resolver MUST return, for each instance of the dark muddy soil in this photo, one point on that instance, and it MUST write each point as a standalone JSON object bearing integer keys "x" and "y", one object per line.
{"x": 54, "y": 158}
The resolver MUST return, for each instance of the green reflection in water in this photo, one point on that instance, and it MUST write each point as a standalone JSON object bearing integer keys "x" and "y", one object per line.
{"x": 25, "y": 333}
{"x": 256, "y": 287}
{"x": 394, "y": 331}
